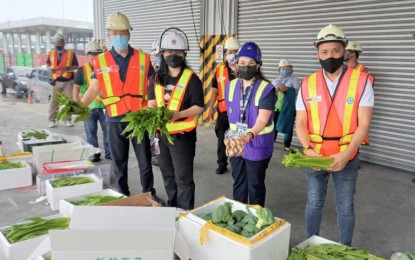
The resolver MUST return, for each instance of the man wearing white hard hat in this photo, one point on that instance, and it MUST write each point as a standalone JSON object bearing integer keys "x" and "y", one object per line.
{"x": 82, "y": 81}
{"x": 353, "y": 51}
{"x": 121, "y": 75}
{"x": 334, "y": 111}
{"x": 61, "y": 64}
{"x": 286, "y": 87}
{"x": 224, "y": 73}
{"x": 155, "y": 52}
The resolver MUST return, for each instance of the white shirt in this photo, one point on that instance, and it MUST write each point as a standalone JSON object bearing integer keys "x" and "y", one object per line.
{"x": 367, "y": 100}
{"x": 289, "y": 82}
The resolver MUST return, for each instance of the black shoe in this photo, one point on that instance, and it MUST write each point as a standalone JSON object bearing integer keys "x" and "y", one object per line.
{"x": 158, "y": 200}
{"x": 95, "y": 157}
{"x": 108, "y": 157}
{"x": 221, "y": 170}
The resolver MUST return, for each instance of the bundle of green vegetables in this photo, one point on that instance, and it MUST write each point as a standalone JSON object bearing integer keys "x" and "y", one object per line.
{"x": 241, "y": 222}
{"x": 69, "y": 181}
{"x": 35, "y": 228}
{"x": 35, "y": 134}
{"x": 331, "y": 252}
{"x": 95, "y": 200}
{"x": 71, "y": 107}
{"x": 299, "y": 160}
{"x": 410, "y": 255}
{"x": 148, "y": 120}
{"x": 10, "y": 165}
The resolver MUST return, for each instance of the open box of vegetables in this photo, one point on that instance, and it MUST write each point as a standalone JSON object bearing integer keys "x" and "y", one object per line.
{"x": 20, "y": 239}
{"x": 71, "y": 186}
{"x": 14, "y": 174}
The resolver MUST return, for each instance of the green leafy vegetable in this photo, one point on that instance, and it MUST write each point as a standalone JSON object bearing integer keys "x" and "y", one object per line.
{"x": 148, "y": 120}
{"x": 69, "y": 181}
{"x": 34, "y": 228}
{"x": 331, "y": 252}
{"x": 265, "y": 217}
{"x": 238, "y": 215}
{"x": 10, "y": 165}
{"x": 223, "y": 214}
{"x": 206, "y": 216}
{"x": 71, "y": 107}
{"x": 35, "y": 134}
{"x": 95, "y": 200}
{"x": 298, "y": 160}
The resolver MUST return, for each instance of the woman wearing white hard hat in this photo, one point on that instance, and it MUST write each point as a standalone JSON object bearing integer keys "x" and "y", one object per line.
{"x": 286, "y": 86}
{"x": 178, "y": 88}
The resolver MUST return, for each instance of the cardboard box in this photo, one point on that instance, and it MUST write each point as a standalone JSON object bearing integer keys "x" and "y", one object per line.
{"x": 117, "y": 232}
{"x": 141, "y": 200}
{"x": 16, "y": 178}
{"x": 272, "y": 244}
{"x": 53, "y": 195}
{"x": 101, "y": 171}
{"x": 315, "y": 240}
{"x": 66, "y": 207}
{"x": 23, "y": 249}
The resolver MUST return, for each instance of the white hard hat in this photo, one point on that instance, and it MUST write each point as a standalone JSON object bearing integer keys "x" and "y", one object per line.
{"x": 354, "y": 46}
{"x": 174, "y": 41}
{"x": 59, "y": 37}
{"x": 93, "y": 47}
{"x": 155, "y": 47}
{"x": 118, "y": 21}
{"x": 331, "y": 33}
{"x": 232, "y": 44}
{"x": 284, "y": 63}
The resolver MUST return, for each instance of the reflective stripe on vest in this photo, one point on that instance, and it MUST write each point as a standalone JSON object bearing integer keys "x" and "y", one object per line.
{"x": 258, "y": 94}
{"x": 87, "y": 73}
{"x": 176, "y": 99}
{"x": 222, "y": 77}
{"x": 268, "y": 129}
{"x": 66, "y": 61}
{"x": 345, "y": 104}
{"x": 122, "y": 97}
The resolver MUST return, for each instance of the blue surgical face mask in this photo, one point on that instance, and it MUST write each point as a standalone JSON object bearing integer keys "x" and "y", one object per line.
{"x": 158, "y": 60}
{"x": 119, "y": 42}
{"x": 286, "y": 73}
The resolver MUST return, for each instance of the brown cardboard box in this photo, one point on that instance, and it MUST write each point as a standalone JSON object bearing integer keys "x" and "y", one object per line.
{"x": 143, "y": 199}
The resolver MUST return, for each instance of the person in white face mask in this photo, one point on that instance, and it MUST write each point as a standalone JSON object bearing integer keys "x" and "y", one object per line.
{"x": 224, "y": 72}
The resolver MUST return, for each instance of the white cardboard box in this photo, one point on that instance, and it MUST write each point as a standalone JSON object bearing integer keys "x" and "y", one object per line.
{"x": 22, "y": 133}
{"x": 129, "y": 232}
{"x": 16, "y": 178}
{"x": 101, "y": 171}
{"x": 21, "y": 250}
{"x": 219, "y": 246}
{"x": 66, "y": 207}
{"x": 53, "y": 195}
{"x": 315, "y": 240}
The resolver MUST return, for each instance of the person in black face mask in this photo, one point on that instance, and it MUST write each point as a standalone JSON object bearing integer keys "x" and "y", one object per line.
{"x": 179, "y": 89}
{"x": 334, "y": 110}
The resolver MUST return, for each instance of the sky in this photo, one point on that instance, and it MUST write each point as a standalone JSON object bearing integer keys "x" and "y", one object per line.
{"x": 68, "y": 9}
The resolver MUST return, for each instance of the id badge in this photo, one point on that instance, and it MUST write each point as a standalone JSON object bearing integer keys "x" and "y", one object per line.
{"x": 241, "y": 128}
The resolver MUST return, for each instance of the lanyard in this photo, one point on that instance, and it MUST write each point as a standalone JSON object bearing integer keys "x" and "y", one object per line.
{"x": 243, "y": 103}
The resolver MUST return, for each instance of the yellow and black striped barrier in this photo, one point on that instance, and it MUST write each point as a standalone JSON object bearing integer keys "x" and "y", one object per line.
{"x": 208, "y": 65}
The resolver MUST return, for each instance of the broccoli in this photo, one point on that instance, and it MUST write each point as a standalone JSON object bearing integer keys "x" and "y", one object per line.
{"x": 206, "y": 216}
{"x": 234, "y": 229}
{"x": 238, "y": 215}
{"x": 247, "y": 234}
{"x": 251, "y": 229}
{"x": 249, "y": 219}
{"x": 239, "y": 225}
{"x": 223, "y": 214}
{"x": 265, "y": 217}
{"x": 223, "y": 225}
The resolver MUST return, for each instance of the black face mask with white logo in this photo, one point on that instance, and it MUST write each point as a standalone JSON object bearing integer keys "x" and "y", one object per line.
{"x": 331, "y": 65}
{"x": 247, "y": 72}
{"x": 174, "y": 61}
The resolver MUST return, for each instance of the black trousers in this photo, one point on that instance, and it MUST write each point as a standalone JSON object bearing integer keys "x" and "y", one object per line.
{"x": 249, "y": 180}
{"x": 119, "y": 147}
{"x": 222, "y": 124}
{"x": 176, "y": 166}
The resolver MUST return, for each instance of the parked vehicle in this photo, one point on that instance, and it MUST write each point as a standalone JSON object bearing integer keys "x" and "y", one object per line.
{"x": 15, "y": 78}
{"x": 39, "y": 85}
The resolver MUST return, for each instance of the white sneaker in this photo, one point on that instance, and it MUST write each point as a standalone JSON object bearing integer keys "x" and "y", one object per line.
{"x": 52, "y": 124}
{"x": 68, "y": 123}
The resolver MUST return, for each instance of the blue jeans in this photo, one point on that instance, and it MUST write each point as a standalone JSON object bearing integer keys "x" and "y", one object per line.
{"x": 91, "y": 129}
{"x": 344, "y": 187}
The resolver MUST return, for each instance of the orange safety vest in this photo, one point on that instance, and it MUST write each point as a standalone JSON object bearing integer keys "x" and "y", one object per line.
{"x": 66, "y": 61}
{"x": 332, "y": 122}
{"x": 176, "y": 99}
{"x": 222, "y": 77}
{"x": 123, "y": 97}
{"x": 363, "y": 68}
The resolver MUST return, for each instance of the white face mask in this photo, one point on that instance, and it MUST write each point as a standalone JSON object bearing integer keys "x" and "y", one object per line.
{"x": 231, "y": 58}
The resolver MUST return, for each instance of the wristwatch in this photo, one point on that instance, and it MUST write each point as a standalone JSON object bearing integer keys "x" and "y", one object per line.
{"x": 305, "y": 148}
{"x": 252, "y": 135}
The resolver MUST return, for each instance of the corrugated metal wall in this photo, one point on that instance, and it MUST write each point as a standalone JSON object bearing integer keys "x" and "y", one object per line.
{"x": 287, "y": 29}
{"x": 150, "y": 18}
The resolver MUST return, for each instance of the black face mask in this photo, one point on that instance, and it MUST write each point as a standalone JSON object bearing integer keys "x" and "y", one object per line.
{"x": 174, "y": 61}
{"x": 247, "y": 72}
{"x": 58, "y": 48}
{"x": 332, "y": 64}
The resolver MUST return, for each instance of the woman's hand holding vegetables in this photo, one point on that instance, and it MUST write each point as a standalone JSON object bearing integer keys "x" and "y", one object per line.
{"x": 340, "y": 161}
{"x": 176, "y": 115}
